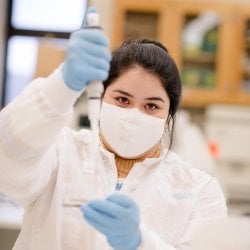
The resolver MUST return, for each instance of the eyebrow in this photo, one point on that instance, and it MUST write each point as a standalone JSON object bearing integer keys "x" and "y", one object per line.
{"x": 129, "y": 95}
{"x": 155, "y": 99}
{"x": 122, "y": 92}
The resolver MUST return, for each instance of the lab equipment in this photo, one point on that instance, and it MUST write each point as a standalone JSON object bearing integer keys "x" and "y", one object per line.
{"x": 195, "y": 30}
{"x": 227, "y": 128}
{"x": 87, "y": 58}
{"x": 117, "y": 217}
{"x": 94, "y": 93}
{"x": 74, "y": 202}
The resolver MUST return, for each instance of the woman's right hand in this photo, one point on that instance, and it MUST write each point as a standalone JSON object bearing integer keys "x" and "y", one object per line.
{"x": 87, "y": 57}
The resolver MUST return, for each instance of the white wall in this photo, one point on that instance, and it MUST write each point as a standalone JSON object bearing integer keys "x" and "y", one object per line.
{"x": 3, "y": 13}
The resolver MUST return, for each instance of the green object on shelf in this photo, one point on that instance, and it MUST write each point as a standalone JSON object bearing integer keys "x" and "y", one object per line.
{"x": 191, "y": 77}
{"x": 208, "y": 78}
{"x": 210, "y": 41}
{"x": 195, "y": 77}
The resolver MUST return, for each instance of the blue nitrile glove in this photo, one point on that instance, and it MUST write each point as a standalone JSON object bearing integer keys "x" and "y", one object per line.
{"x": 87, "y": 57}
{"x": 117, "y": 217}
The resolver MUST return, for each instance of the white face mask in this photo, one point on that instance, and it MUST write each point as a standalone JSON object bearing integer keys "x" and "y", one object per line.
{"x": 130, "y": 132}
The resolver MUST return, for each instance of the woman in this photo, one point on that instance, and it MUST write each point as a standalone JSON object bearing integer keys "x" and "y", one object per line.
{"x": 42, "y": 162}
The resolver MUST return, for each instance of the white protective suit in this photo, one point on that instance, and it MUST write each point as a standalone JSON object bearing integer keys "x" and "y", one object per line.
{"x": 41, "y": 163}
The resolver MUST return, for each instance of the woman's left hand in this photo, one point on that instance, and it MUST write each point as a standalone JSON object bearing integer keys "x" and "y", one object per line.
{"x": 118, "y": 218}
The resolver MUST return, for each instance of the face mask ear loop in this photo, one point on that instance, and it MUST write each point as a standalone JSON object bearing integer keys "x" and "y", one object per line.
{"x": 165, "y": 137}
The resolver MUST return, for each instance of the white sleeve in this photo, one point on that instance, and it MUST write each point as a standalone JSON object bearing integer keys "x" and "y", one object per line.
{"x": 28, "y": 128}
{"x": 211, "y": 205}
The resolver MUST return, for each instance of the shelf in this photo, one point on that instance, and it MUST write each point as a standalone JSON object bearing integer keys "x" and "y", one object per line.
{"x": 203, "y": 57}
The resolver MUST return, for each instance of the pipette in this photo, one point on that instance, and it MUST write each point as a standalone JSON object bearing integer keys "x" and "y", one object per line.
{"x": 94, "y": 92}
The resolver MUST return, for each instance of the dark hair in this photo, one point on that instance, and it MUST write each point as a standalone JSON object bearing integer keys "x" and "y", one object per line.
{"x": 154, "y": 58}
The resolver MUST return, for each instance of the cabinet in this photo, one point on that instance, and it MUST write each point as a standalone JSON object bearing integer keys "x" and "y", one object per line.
{"x": 216, "y": 71}
{"x": 243, "y": 57}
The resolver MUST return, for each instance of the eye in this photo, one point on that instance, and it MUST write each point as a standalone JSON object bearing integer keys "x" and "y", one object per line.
{"x": 151, "y": 106}
{"x": 122, "y": 101}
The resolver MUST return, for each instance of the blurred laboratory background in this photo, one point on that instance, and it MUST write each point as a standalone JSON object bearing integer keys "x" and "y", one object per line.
{"x": 210, "y": 42}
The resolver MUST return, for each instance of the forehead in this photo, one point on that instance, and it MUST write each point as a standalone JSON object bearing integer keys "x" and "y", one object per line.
{"x": 138, "y": 81}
